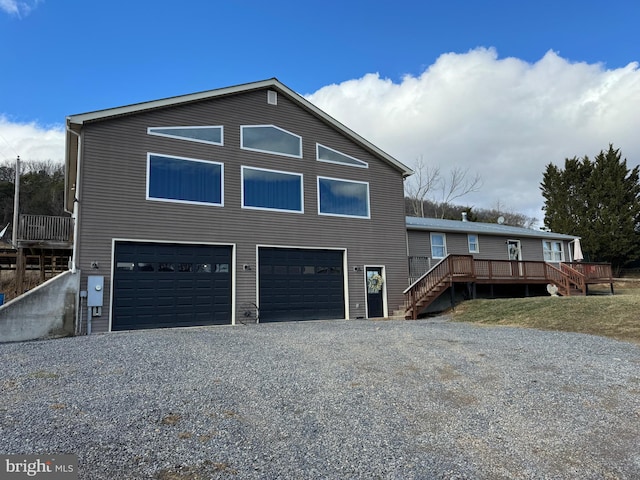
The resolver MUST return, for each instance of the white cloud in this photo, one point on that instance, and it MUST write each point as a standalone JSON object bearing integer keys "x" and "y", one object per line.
{"x": 503, "y": 118}
{"x": 18, "y": 8}
{"x": 30, "y": 141}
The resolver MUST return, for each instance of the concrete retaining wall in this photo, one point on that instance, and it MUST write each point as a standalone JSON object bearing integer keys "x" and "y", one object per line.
{"x": 49, "y": 310}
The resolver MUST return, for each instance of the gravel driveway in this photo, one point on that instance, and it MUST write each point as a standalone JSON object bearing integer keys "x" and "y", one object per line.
{"x": 328, "y": 399}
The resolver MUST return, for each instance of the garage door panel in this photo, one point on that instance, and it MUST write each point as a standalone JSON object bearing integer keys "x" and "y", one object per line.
{"x": 300, "y": 284}
{"x": 167, "y": 286}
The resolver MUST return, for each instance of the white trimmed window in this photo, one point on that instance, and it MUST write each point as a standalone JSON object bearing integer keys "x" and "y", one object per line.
{"x": 438, "y": 245}
{"x": 474, "y": 246}
{"x": 326, "y": 154}
{"x": 213, "y": 135}
{"x": 552, "y": 251}
{"x": 270, "y": 139}
{"x": 343, "y": 198}
{"x": 184, "y": 180}
{"x": 272, "y": 190}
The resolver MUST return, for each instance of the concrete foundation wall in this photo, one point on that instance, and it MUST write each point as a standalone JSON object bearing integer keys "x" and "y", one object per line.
{"x": 49, "y": 310}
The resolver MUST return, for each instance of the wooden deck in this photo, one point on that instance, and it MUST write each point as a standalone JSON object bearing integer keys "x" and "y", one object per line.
{"x": 569, "y": 278}
{"x": 44, "y": 243}
{"x": 45, "y": 231}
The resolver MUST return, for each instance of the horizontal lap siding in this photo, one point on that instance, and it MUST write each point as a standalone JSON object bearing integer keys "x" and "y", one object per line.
{"x": 113, "y": 203}
{"x": 492, "y": 247}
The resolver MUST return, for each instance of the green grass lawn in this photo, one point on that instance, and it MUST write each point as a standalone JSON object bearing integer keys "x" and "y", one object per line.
{"x": 616, "y": 316}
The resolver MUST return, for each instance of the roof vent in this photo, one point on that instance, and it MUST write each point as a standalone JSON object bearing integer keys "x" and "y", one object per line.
{"x": 464, "y": 216}
{"x": 272, "y": 97}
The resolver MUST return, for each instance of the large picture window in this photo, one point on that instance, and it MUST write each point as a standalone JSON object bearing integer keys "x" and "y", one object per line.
{"x": 552, "y": 251}
{"x": 207, "y": 134}
{"x": 272, "y": 190}
{"x": 438, "y": 245}
{"x": 346, "y": 198}
{"x": 270, "y": 139}
{"x": 177, "y": 179}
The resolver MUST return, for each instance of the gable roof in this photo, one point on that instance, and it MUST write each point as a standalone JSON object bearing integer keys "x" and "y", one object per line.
{"x": 458, "y": 226}
{"x": 75, "y": 122}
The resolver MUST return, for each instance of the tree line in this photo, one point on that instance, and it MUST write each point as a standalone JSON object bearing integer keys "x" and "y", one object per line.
{"x": 41, "y": 189}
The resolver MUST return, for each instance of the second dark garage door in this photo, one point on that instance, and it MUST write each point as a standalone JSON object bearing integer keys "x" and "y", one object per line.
{"x": 170, "y": 285}
{"x": 300, "y": 284}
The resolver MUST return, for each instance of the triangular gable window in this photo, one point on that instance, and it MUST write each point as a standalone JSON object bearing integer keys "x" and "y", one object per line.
{"x": 206, "y": 134}
{"x": 326, "y": 154}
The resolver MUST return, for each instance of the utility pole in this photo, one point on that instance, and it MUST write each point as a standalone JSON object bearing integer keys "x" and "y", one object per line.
{"x": 16, "y": 205}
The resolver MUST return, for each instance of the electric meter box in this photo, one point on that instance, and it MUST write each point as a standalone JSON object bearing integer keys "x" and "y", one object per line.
{"x": 95, "y": 291}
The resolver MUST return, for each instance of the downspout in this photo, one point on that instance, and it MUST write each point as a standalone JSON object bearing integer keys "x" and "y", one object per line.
{"x": 76, "y": 202}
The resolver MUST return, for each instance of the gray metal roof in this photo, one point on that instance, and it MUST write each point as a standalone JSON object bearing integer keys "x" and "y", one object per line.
{"x": 458, "y": 226}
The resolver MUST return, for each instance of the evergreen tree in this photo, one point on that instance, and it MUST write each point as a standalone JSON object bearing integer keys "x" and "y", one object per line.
{"x": 599, "y": 201}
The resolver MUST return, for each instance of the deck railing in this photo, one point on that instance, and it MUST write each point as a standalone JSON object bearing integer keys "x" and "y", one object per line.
{"x": 464, "y": 268}
{"x": 593, "y": 271}
{"x": 43, "y": 228}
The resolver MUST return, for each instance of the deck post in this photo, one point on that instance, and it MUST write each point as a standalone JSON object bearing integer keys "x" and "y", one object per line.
{"x": 20, "y": 264}
{"x": 453, "y": 296}
{"x": 41, "y": 261}
{"x": 611, "y": 285}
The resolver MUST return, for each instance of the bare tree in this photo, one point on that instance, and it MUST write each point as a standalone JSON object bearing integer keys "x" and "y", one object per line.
{"x": 418, "y": 186}
{"x": 428, "y": 187}
{"x": 456, "y": 185}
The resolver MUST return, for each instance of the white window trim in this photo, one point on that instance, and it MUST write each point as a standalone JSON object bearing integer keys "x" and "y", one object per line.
{"x": 477, "y": 250}
{"x": 367, "y": 217}
{"x": 186, "y": 159}
{"x": 551, "y": 242}
{"x": 362, "y": 164}
{"x": 245, "y": 167}
{"x": 178, "y": 137}
{"x": 242, "y": 127}
{"x": 444, "y": 241}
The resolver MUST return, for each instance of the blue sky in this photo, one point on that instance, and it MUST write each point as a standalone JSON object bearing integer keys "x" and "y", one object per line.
{"x": 352, "y": 58}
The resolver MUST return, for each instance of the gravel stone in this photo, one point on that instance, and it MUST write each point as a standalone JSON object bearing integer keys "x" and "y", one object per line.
{"x": 328, "y": 399}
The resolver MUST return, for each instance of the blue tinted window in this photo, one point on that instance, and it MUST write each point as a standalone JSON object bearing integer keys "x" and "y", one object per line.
{"x": 184, "y": 180}
{"x": 326, "y": 154}
{"x": 271, "y": 190}
{"x": 270, "y": 139}
{"x": 343, "y": 197}
{"x": 211, "y": 135}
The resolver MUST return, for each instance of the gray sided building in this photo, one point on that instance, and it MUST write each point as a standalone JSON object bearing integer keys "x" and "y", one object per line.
{"x": 431, "y": 239}
{"x": 223, "y": 206}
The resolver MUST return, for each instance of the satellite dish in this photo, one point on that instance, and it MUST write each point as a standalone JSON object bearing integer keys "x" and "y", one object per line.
{"x": 552, "y": 289}
{"x": 500, "y": 220}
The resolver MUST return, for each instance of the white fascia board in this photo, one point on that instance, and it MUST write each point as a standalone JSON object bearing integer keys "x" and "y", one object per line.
{"x": 79, "y": 119}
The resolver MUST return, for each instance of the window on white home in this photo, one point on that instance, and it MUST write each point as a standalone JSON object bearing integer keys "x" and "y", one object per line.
{"x": 270, "y": 139}
{"x": 326, "y": 154}
{"x": 474, "y": 246}
{"x": 438, "y": 245}
{"x": 552, "y": 251}
{"x": 343, "y": 198}
{"x": 204, "y": 134}
{"x": 272, "y": 190}
{"x": 186, "y": 180}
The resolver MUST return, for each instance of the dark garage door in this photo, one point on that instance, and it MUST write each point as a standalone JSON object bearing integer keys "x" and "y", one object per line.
{"x": 170, "y": 285}
{"x": 300, "y": 284}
